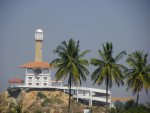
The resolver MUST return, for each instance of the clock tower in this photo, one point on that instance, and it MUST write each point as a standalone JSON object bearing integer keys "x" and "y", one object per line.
{"x": 38, "y": 45}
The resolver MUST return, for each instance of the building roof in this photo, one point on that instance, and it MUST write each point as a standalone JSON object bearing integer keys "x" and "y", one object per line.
{"x": 15, "y": 80}
{"x": 122, "y": 99}
{"x": 36, "y": 65}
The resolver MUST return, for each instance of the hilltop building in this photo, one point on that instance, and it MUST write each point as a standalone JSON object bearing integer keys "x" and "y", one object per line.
{"x": 38, "y": 73}
{"x": 38, "y": 76}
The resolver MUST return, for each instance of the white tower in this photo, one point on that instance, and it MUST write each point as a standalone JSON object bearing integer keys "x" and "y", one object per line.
{"x": 38, "y": 73}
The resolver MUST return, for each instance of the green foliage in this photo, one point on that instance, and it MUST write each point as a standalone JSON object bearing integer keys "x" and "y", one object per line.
{"x": 108, "y": 70}
{"x": 129, "y": 107}
{"x": 138, "y": 76}
{"x": 41, "y": 95}
{"x": 38, "y": 111}
{"x": 107, "y": 67}
{"x": 70, "y": 64}
{"x": 52, "y": 101}
{"x": 46, "y": 102}
{"x": 119, "y": 106}
{"x": 18, "y": 109}
{"x": 130, "y": 104}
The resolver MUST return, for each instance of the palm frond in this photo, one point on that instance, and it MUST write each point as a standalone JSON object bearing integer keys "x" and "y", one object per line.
{"x": 96, "y": 62}
{"x": 83, "y": 53}
{"x": 69, "y": 62}
{"x": 138, "y": 76}
{"x": 119, "y": 56}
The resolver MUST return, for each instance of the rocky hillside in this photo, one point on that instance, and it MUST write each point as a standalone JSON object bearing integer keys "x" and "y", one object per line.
{"x": 40, "y": 102}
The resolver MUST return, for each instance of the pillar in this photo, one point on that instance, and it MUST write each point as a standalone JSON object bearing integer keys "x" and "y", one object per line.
{"x": 77, "y": 95}
{"x": 90, "y": 98}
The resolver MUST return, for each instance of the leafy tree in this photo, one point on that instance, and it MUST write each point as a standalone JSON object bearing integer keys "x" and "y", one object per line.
{"x": 138, "y": 77}
{"x": 129, "y": 107}
{"x": 70, "y": 63}
{"x": 119, "y": 106}
{"x": 130, "y": 104}
{"x": 108, "y": 69}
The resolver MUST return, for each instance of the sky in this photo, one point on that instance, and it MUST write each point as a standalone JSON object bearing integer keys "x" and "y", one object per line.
{"x": 125, "y": 23}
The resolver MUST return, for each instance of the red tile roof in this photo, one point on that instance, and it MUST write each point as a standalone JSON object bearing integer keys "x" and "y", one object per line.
{"x": 15, "y": 80}
{"x": 36, "y": 65}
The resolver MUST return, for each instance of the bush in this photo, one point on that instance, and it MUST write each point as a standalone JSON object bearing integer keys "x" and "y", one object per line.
{"x": 119, "y": 106}
{"x": 46, "y": 101}
{"x": 129, "y": 107}
{"x": 38, "y": 111}
{"x": 41, "y": 95}
{"x": 53, "y": 100}
{"x": 130, "y": 104}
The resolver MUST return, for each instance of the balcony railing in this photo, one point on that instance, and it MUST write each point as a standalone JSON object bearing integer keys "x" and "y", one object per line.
{"x": 42, "y": 74}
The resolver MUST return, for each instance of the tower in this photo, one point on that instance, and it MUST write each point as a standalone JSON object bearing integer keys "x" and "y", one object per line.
{"x": 38, "y": 73}
{"x": 38, "y": 45}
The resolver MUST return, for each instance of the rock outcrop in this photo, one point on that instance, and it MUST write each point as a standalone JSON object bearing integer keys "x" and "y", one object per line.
{"x": 21, "y": 101}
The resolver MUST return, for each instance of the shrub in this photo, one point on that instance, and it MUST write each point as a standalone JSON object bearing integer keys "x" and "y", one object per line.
{"x": 46, "y": 101}
{"x": 129, "y": 107}
{"x": 38, "y": 111}
{"x": 41, "y": 95}
{"x": 119, "y": 106}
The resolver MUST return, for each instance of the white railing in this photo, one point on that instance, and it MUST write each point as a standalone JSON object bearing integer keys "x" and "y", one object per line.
{"x": 88, "y": 96}
{"x": 43, "y": 74}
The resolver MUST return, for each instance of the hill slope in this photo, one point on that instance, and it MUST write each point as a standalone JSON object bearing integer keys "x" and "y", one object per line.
{"x": 40, "y": 102}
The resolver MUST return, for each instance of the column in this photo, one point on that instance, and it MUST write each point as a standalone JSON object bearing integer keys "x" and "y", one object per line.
{"x": 33, "y": 81}
{"x": 77, "y": 94}
{"x": 64, "y": 90}
{"x": 26, "y": 80}
{"x": 110, "y": 99}
{"x": 26, "y": 70}
{"x": 90, "y": 98}
{"x": 50, "y": 83}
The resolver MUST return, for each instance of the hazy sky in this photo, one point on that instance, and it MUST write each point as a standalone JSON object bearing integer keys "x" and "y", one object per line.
{"x": 126, "y": 23}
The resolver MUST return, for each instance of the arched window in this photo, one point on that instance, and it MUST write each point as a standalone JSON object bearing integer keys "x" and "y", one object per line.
{"x": 30, "y": 70}
{"x": 45, "y": 71}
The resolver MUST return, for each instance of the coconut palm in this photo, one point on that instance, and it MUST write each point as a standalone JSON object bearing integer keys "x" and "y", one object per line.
{"x": 70, "y": 64}
{"x": 108, "y": 69}
{"x": 138, "y": 77}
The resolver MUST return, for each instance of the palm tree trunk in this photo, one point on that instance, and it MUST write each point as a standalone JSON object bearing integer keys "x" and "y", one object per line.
{"x": 137, "y": 99}
{"x": 107, "y": 90}
{"x": 69, "y": 94}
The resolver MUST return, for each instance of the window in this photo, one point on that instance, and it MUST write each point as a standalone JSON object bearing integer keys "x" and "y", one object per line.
{"x": 45, "y": 84}
{"x": 46, "y": 71}
{"x": 38, "y": 78}
{"x": 37, "y": 84}
{"x": 45, "y": 78}
{"x": 29, "y": 70}
{"x": 30, "y": 79}
{"x": 30, "y": 84}
{"x": 37, "y": 71}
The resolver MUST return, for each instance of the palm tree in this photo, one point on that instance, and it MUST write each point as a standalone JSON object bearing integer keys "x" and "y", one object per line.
{"x": 108, "y": 69}
{"x": 70, "y": 63}
{"x": 138, "y": 77}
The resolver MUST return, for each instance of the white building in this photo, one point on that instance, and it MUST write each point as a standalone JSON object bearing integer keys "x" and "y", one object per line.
{"x": 38, "y": 73}
{"x": 38, "y": 76}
